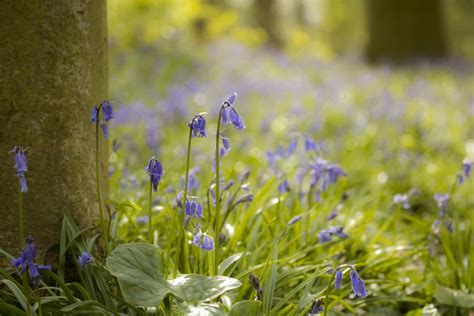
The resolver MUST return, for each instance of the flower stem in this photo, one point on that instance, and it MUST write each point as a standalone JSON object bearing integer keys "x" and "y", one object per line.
{"x": 21, "y": 226}
{"x": 328, "y": 290}
{"x": 40, "y": 309}
{"x": 150, "y": 231}
{"x": 218, "y": 198}
{"x": 105, "y": 232}
{"x": 182, "y": 244}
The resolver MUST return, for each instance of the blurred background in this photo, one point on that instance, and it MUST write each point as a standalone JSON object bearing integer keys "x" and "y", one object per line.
{"x": 390, "y": 80}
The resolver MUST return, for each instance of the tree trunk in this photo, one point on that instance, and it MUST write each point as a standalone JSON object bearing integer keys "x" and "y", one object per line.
{"x": 267, "y": 17}
{"x": 404, "y": 29}
{"x": 53, "y": 69}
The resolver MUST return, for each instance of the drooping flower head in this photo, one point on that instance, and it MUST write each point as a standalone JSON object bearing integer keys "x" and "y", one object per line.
{"x": 20, "y": 166}
{"x": 155, "y": 170}
{"x": 358, "y": 286}
{"x": 284, "y": 187}
{"x": 107, "y": 110}
{"x": 107, "y": 113}
{"x": 338, "y": 279}
{"x": 203, "y": 241}
{"x": 142, "y": 220}
{"x": 198, "y": 126}
{"x": 229, "y": 115}
{"x": 193, "y": 208}
{"x": 25, "y": 262}
{"x": 316, "y": 307}
{"x": 85, "y": 258}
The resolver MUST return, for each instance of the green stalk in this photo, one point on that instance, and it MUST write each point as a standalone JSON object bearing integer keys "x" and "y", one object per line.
{"x": 105, "y": 232}
{"x": 182, "y": 237}
{"x": 328, "y": 290}
{"x": 150, "y": 231}
{"x": 218, "y": 198}
{"x": 40, "y": 309}
{"x": 21, "y": 226}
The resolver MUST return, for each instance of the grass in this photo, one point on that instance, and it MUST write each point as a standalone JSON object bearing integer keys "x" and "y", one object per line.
{"x": 393, "y": 131}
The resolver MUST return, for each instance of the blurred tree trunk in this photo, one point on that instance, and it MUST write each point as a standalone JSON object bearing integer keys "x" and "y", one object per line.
{"x": 403, "y": 29}
{"x": 53, "y": 69}
{"x": 267, "y": 17}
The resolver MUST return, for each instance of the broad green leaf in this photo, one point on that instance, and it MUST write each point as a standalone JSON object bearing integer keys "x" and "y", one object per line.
{"x": 17, "y": 292}
{"x": 193, "y": 288}
{"x": 246, "y": 308}
{"x": 139, "y": 271}
{"x": 447, "y": 296}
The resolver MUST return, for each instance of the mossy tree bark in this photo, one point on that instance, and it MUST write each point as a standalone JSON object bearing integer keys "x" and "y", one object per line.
{"x": 400, "y": 30}
{"x": 53, "y": 69}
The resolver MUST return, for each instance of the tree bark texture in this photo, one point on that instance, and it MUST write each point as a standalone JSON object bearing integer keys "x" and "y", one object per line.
{"x": 400, "y": 30}
{"x": 53, "y": 69}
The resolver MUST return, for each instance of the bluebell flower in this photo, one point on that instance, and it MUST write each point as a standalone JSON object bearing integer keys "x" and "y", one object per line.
{"x": 338, "y": 279}
{"x": 358, "y": 286}
{"x": 225, "y": 142}
{"x": 107, "y": 110}
{"x": 229, "y": 115}
{"x": 85, "y": 258}
{"x": 402, "y": 199}
{"x": 244, "y": 199}
{"x": 309, "y": 144}
{"x": 207, "y": 243}
{"x": 326, "y": 235}
{"x": 459, "y": 179}
{"x": 105, "y": 130}
{"x": 442, "y": 202}
{"x": 316, "y": 307}
{"x": 245, "y": 176}
{"x": 143, "y": 220}
{"x": 20, "y": 166}
{"x": 198, "y": 126}
{"x": 228, "y": 185}
{"x": 193, "y": 208}
{"x": 467, "y": 167}
{"x": 155, "y": 170}
{"x": 25, "y": 262}
{"x": 203, "y": 241}
{"x": 295, "y": 220}
{"x": 334, "y": 172}
{"x": 284, "y": 186}
{"x": 95, "y": 114}
{"x": 292, "y": 147}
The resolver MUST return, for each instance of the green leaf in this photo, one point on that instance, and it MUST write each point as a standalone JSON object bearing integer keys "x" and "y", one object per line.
{"x": 17, "y": 292}
{"x": 447, "y": 296}
{"x": 246, "y": 308}
{"x": 193, "y": 288}
{"x": 229, "y": 261}
{"x": 139, "y": 271}
{"x": 201, "y": 310}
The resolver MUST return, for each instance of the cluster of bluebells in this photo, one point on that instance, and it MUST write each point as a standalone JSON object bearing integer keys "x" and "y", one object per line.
{"x": 324, "y": 174}
{"x": 107, "y": 113}
{"x": 84, "y": 259}
{"x": 441, "y": 200}
{"x": 327, "y": 235}
{"x": 20, "y": 166}
{"x": 26, "y": 262}
{"x": 358, "y": 286}
{"x": 465, "y": 171}
{"x": 155, "y": 170}
{"x": 203, "y": 241}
